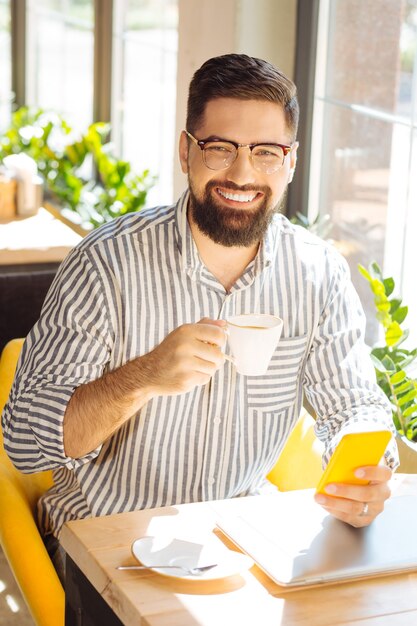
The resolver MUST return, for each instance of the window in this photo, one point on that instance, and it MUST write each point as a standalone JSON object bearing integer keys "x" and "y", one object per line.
{"x": 60, "y": 57}
{"x": 363, "y": 168}
{"x": 99, "y": 60}
{"x": 6, "y": 95}
{"x": 144, "y": 71}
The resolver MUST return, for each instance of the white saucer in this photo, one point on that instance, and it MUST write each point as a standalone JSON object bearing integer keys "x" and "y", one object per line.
{"x": 171, "y": 551}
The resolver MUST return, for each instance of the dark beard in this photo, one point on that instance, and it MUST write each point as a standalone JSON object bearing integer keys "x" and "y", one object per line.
{"x": 231, "y": 227}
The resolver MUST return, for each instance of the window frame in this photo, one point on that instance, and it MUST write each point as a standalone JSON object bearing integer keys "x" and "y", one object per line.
{"x": 103, "y": 55}
{"x": 304, "y": 78}
{"x": 18, "y": 58}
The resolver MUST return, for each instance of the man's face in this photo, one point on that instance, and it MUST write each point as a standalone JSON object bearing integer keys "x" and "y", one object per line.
{"x": 234, "y": 206}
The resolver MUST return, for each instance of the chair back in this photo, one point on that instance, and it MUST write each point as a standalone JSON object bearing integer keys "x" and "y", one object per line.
{"x": 299, "y": 464}
{"x": 19, "y": 535}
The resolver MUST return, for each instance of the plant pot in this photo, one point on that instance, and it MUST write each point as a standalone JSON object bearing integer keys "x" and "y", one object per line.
{"x": 408, "y": 455}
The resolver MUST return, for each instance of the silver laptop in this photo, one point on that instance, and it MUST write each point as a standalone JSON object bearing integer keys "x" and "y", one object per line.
{"x": 297, "y": 543}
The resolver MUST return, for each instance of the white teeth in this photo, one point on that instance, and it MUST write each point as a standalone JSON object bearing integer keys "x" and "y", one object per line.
{"x": 238, "y": 197}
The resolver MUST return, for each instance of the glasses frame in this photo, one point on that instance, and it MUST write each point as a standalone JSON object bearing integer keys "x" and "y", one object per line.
{"x": 202, "y": 142}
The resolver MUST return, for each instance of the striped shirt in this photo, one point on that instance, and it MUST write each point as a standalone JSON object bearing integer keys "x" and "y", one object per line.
{"x": 116, "y": 296}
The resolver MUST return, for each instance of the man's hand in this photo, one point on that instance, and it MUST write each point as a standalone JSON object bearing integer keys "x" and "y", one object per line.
{"x": 358, "y": 505}
{"x": 189, "y": 356}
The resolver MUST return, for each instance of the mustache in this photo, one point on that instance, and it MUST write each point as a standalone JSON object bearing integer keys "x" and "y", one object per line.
{"x": 234, "y": 187}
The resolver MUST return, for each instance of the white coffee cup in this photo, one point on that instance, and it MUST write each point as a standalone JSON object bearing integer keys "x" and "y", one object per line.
{"x": 253, "y": 339}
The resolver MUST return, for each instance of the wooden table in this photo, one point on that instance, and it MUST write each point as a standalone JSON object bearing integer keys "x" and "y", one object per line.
{"x": 41, "y": 238}
{"x": 97, "y": 593}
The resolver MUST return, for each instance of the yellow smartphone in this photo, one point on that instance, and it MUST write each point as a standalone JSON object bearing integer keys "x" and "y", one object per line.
{"x": 354, "y": 450}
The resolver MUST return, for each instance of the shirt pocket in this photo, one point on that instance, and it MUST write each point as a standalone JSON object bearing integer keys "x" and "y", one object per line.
{"x": 277, "y": 389}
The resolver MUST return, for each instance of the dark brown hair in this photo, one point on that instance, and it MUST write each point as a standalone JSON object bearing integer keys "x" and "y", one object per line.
{"x": 245, "y": 78}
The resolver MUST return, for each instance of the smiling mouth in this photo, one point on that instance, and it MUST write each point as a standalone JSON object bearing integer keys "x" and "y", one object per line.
{"x": 243, "y": 197}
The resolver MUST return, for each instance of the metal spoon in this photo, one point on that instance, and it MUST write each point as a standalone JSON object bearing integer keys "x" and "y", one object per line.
{"x": 192, "y": 571}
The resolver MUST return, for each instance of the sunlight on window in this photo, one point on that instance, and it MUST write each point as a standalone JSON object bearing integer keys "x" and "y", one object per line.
{"x": 60, "y": 48}
{"x": 362, "y": 165}
{"x": 144, "y": 69}
{"x": 6, "y": 95}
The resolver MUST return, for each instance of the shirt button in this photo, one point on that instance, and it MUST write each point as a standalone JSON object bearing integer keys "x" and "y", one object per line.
{"x": 211, "y": 481}
{"x": 216, "y": 420}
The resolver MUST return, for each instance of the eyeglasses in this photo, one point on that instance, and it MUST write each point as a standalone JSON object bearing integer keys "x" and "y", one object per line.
{"x": 219, "y": 154}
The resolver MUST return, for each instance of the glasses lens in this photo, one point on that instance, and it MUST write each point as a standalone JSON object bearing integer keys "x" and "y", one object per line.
{"x": 268, "y": 159}
{"x": 218, "y": 155}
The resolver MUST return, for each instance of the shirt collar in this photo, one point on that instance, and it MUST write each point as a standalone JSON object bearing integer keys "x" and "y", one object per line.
{"x": 190, "y": 258}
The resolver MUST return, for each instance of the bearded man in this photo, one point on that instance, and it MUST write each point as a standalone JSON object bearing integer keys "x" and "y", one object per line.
{"x": 123, "y": 389}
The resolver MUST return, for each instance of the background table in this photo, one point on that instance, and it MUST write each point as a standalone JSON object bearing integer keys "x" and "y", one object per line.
{"x": 97, "y": 546}
{"x": 31, "y": 250}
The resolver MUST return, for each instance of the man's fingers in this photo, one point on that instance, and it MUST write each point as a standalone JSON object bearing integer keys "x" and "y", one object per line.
{"x": 374, "y": 473}
{"x": 359, "y": 493}
{"x": 189, "y": 356}
{"x": 356, "y": 520}
{"x": 351, "y": 507}
{"x": 210, "y": 332}
{"x": 357, "y": 505}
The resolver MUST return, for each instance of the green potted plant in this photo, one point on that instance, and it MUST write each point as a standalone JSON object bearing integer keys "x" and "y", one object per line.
{"x": 81, "y": 174}
{"x": 393, "y": 364}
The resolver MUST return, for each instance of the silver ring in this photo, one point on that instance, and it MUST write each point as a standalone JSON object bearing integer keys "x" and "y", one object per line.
{"x": 365, "y": 510}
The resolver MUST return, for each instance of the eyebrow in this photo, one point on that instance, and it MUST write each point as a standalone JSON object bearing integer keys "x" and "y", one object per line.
{"x": 262, "y": 143}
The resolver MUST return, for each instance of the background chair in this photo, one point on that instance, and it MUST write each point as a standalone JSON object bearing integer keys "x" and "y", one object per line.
{"x": 23, "y": 289}
{"x": 299, "y": 464}
{"x": 19, "y": 536}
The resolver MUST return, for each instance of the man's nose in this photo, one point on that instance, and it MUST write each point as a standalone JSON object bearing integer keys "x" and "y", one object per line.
{"x": 241, "y": 171}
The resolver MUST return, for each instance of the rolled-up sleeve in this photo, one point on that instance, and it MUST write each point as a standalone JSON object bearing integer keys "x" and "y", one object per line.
{"x": 69, "y": 346}
{"x": 340, "y": 380}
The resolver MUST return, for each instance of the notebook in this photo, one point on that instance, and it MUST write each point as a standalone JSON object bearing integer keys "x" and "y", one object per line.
{"x": 297, "y": 543}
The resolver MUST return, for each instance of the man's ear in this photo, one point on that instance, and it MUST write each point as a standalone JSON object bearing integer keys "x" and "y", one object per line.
{"x": 293, "y": 161}
{"x": 183, "y": 152}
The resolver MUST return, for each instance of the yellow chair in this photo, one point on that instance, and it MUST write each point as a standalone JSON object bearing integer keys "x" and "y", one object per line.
{"x": 19, "y": 536}
{"x": 299, "y": 464}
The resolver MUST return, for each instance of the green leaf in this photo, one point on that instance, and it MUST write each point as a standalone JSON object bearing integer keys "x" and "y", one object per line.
{"x": 406, "y": 386}
{"x": 364, "y": 272}
{"x": 404, "y": 362}
{"x": 383, "y": 318}
{"x": 382, "y": 303}
{"x": 389, "y": 285}
{"x": 389, "y": 364}
{"x": 398, "y": 377}
{"x": 395, "y": 304}
{"x": 393, "y": 334}
{"x": 405, "y": 334}
{"x": 375, "y": 270}
{"x": 408, "y": 397}
{"x": 377, "y": 364}
{"x": 379, "y": 353}
{"x": 410, "y": 411}
{"x": 398, "y": 357}
{"x": 378, "y": 288}
{"x": 400, "y": 314}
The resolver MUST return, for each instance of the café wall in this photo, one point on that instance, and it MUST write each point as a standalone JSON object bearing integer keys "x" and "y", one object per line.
{"x": 262, "y": 28}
